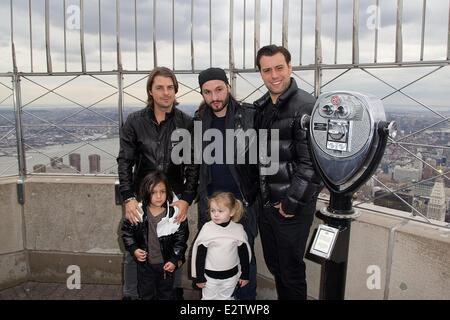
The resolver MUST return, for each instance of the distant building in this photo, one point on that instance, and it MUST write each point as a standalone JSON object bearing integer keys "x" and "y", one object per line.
{"x": 428, "y": 171}
{"x": 39, "y": 168}
{"x": 447, "y": 178}
{"x": 447, "y": 152}
{"x": 437, "y": 205}
{"x": 406, "y": 174}
{"x": 56, "y": 162}
{"x": 94, "y": 163}
{"x": 418, "y": 164}
{"x": 75, "y": 161}
{"x": 386, "y": 199}
{"x": 424, "y": 188}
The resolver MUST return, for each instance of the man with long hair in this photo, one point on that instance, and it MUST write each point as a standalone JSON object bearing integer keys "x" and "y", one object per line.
{"x": 145, "y": 146}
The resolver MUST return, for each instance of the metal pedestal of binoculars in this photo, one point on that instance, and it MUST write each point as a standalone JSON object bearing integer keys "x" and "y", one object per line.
{"x": 334, "y": 268}
{"x": 334, "y": 271}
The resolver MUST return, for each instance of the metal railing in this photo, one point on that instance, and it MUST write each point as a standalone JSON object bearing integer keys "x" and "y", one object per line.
{"x": 123, "y": 40}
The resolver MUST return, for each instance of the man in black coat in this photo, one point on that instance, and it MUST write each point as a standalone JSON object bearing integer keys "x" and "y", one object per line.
{"x": 145, "y": 146}
{"x": 238, "y": 174}
{"x": 289, "y": 195}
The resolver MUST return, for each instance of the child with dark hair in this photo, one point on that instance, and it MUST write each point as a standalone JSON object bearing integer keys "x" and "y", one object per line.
{"x": 156, "y": 242}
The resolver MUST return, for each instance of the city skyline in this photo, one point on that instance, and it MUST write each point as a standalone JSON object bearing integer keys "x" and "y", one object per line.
{"x": 398, "y": 169}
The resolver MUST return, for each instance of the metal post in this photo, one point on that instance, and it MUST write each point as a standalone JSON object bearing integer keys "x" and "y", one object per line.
{"x": 155, "y": 56}
{"x": 377, "y": 17}
{"x": 284, "y": 33}
{"x": 422, "y": 38}
{"x": 31, "y": 35}
{"x": 271, "y": 18}
{"x": 119, "y": 56}
{"x": 210, "y": 33}
{"x": 100, "y": 34}
{"x": 65, "y": 34}
{"x": 318, "y": 49}
{"x": 47, "y": 37}
{"x": 83, "y": 55}
{"x": 257, "y": 29}
{"x": 231, "y": 51}
{"x": 336, "y": 28}
{"x": 398, "y": 34}
{"x": 192, "y": 36}
{"x": 355, "y": 43}
{"x": 135, "y": 37}
{"x": 334, "y": 271}
{"x": 120, "y": 101}
{"x": 244, "y": 36}
{"x": 119, "y": 68}
{"x": 17, "y": 101}
{"x": 301, "y": 33}
{"x": 448, "y": 34}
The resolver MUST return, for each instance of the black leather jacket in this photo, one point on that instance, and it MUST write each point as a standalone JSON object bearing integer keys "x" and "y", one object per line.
{"x": 296, "y": 184}
{"x": 147, "y": 146}
{"x": 173, "y": 247}
{"x": 245, "y": 175}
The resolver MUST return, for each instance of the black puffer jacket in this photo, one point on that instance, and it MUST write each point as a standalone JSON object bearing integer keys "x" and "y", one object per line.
{"x": 296, "y": 184}
{"x": 173, "y": 246}
{"x": 147, "y": 146}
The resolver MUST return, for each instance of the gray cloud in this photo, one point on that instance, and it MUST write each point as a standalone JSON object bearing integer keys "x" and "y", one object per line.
{"x": 220, "y": 16}
{"x": 437, "y": 15}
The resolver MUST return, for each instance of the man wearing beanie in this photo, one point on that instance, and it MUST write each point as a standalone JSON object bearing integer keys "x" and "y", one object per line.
{"x": 219, "y": 110}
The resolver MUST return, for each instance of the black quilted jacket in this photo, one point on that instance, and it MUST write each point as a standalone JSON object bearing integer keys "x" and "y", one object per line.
{"x": 296, "y": 184}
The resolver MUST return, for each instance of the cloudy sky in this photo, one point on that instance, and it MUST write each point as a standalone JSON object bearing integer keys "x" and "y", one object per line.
{"x": 432, "y": 90}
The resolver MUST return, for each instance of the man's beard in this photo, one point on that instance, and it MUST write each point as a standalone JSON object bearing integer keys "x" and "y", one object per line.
{"x": 224, "y": 104}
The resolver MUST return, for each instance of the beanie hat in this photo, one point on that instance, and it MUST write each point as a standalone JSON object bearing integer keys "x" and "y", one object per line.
{"x": 212, "y": 74}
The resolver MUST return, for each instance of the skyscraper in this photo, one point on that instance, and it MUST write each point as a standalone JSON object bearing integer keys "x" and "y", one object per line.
{"x": 56, "y": 162}
{"x": 94, "y": 163}
{"x": 428, "y": 171}
{"x": 75, "y": 161}
{"x": 406, "y": 174}
{"x": 436, "y": 206}
{"x": 39, "y": 168}
{"x": 418, "y": 164}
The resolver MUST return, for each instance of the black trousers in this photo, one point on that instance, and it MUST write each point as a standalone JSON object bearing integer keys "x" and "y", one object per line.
{"x": 283, "y": 241}
{"x": 153, "y": 282}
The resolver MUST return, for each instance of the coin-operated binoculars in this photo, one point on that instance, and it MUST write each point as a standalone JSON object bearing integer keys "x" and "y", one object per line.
{"x": 347, "y": 133}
